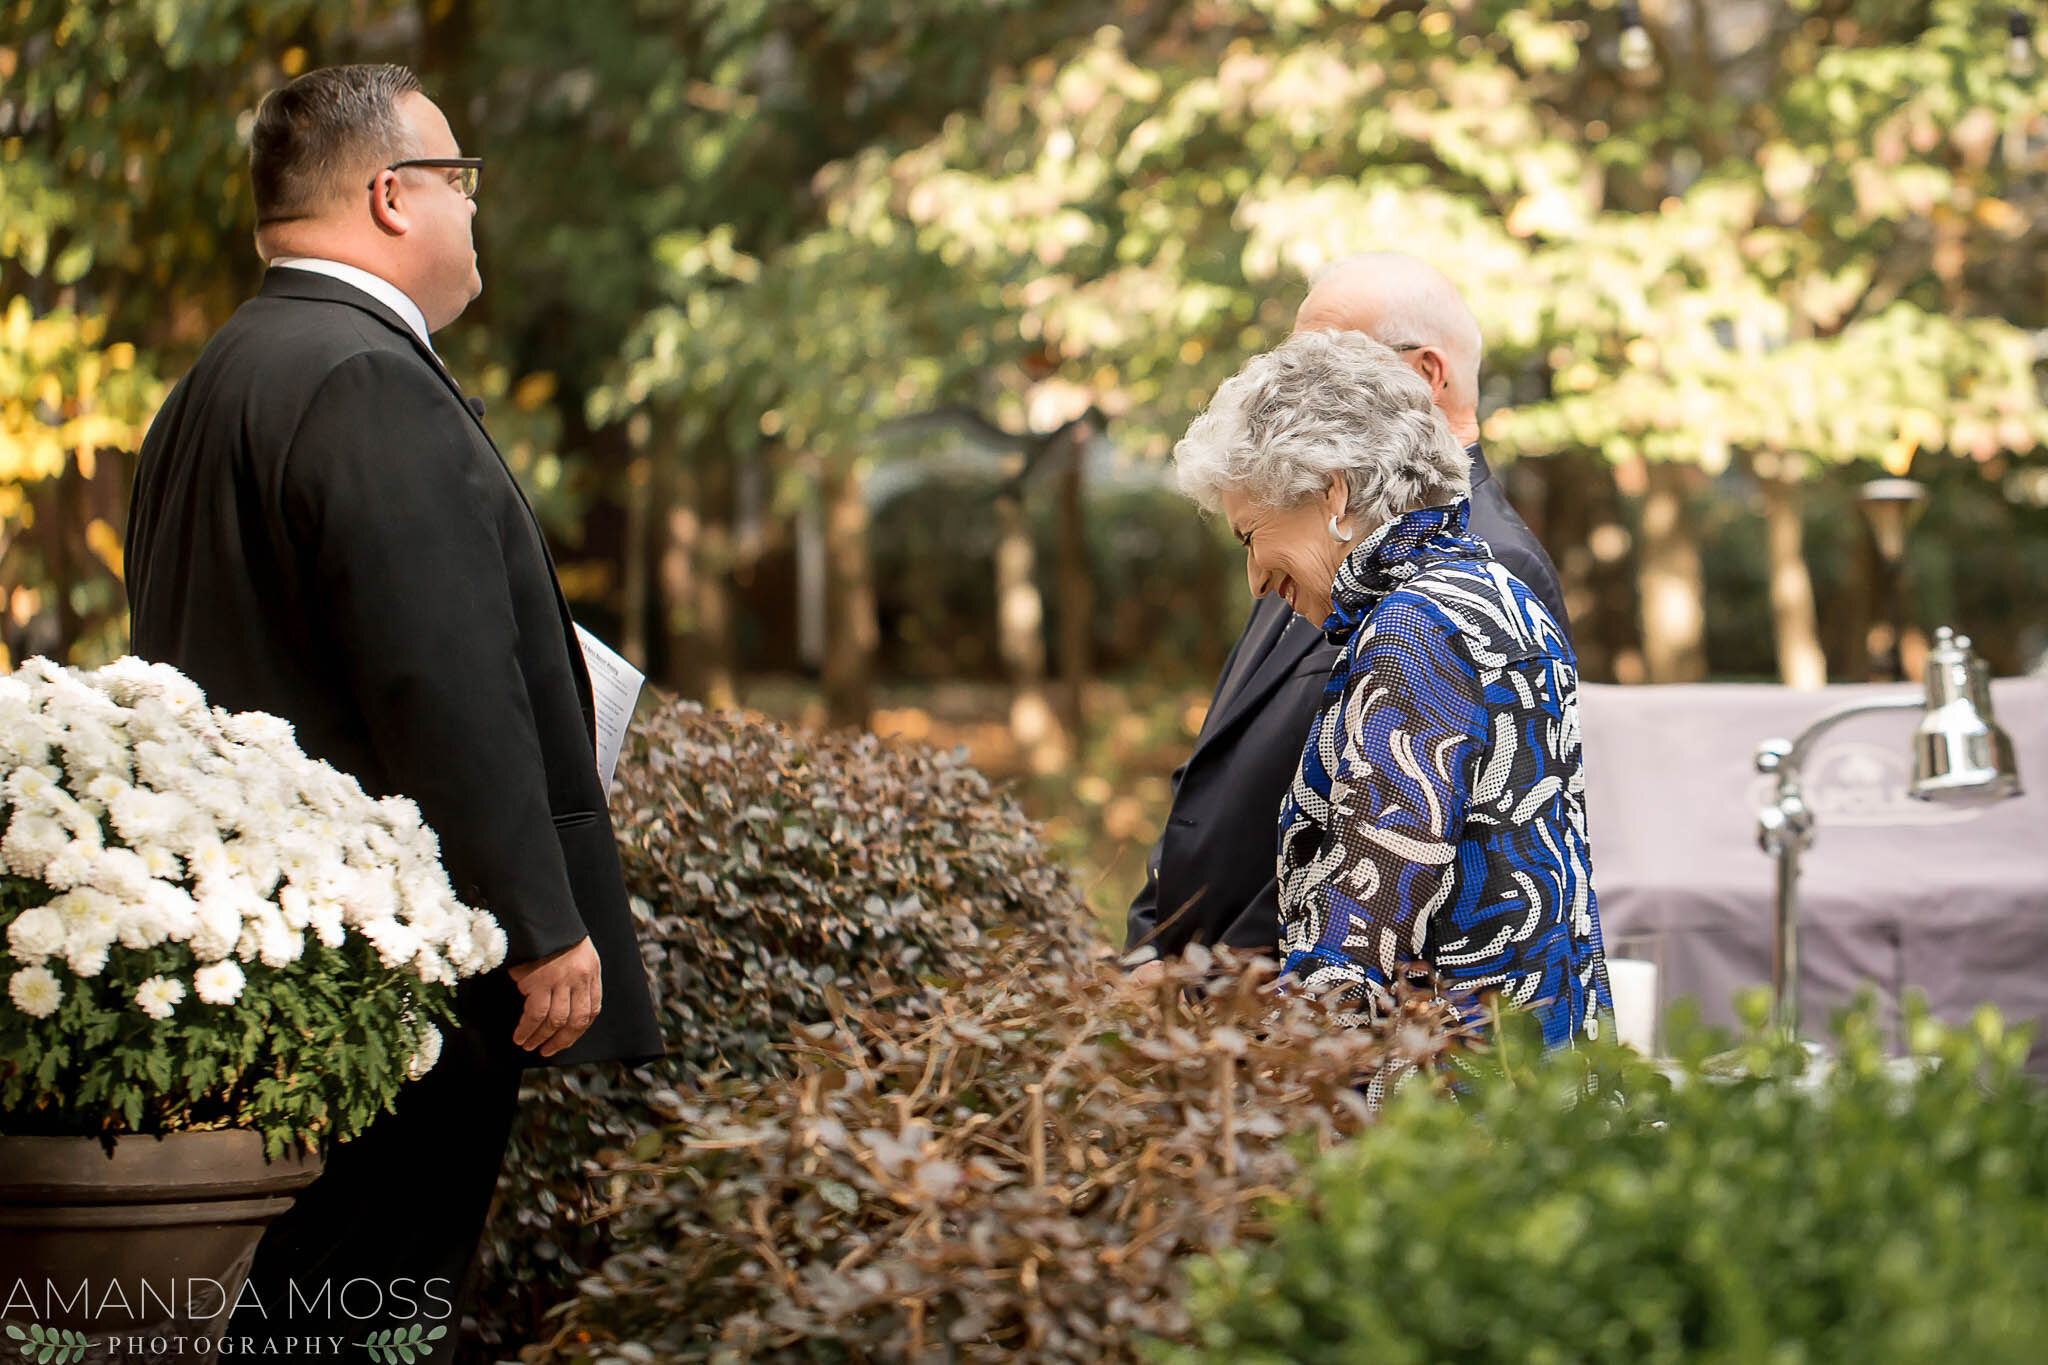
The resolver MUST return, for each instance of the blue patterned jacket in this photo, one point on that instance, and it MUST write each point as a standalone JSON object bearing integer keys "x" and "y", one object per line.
{"x": 1438, "y": 815}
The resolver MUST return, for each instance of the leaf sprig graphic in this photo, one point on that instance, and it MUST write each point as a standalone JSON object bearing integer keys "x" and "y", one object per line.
{"x": 50, "y": 1345}
{"x": 402, "y": 1345}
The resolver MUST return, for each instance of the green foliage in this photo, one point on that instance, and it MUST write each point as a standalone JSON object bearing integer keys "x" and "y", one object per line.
{"x": 401, "y": 1345}
{"x": 308, "y": 1054}
{"x": 1016, "y": 1177}
{"x": 44, "y": 1345}
{"x": 748, "y": 231}
{"x": 775, "y": 876}
{"x": 1720, "y": 257}
{"x": 204, "y": 927}
{"x": 1751, "y": 1207}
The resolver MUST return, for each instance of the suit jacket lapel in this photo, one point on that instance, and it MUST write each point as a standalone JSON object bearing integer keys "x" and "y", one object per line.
{"x": 1288, "y": 641}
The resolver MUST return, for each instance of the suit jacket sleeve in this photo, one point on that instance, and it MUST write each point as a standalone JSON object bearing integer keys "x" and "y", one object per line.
{"x": 1142, "y": 921}
{"x": 1143, "y": 917}
{"x": 1252, "y": 930}
{"x": 401, "y": 543}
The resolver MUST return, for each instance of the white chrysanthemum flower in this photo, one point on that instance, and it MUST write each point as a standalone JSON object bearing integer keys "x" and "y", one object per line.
{"x": 143, "y": 925}
{"x": 174, "y": 909}
{"x": 72, "y": 866}
{"x": 92, "y": 739}
{"x": 24, "y": 742}
{"x": 104, "y": 789}
{"x": 295, "y": 905}
{"x": 219, "y": 984}
{"x": 159, "y": 996}
{"x": 277, "y": 943}
{"x": 218, "y": 797}
{"x": 219, "y": 926}
{"x": 91, "y": 917}
{"x": 324, "y": 919}
{"x": 32, "y": 840}
{"x": 29, "y": 787}
{"x": 263, "y": 731}
{"x": 401, "y": 815}
{"x": 36, "y": 933}
{"x": 208, "y": 859}
{"x": 17, "y": 698}
{"x": 144, "y": 817}
{"x": 163, "y": 765}
{"x": 490, "y": 944}
{"x": 163, "y": 684}
{"x": 235, "y": 841}
{"x": 427, "y": 1057}
{"x": 161, "y": 864}
{"x": 395, "y": 942}
{"x": 84, "y": 957}
{"x": 432, "y": 968}
{"x": 253, "y": 861}
{"x": 121, "y": 873}
{"x": 369, "y": 898}
{"x": 126, "y": 679}
{"x": 35, "y": 991}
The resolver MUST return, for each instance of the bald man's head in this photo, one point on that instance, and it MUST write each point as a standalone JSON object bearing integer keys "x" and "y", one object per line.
{"x": 1408, "y": 304}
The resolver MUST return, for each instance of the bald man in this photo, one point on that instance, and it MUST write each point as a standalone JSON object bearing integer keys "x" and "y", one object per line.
{"x": 1210, "y": 878}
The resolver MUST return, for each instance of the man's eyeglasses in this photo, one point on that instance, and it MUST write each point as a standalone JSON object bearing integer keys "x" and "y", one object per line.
{"x": 468, "y": 168}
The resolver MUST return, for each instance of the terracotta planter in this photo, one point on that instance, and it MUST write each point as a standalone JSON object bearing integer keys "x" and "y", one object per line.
{"x": 148, "y": 1231}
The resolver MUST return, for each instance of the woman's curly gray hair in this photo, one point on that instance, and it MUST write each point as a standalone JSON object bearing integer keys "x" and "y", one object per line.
{"x": 1318, "y": 404}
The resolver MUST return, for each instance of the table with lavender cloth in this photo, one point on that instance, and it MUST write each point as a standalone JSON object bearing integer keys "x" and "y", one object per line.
{"x": 1896, "y": 894}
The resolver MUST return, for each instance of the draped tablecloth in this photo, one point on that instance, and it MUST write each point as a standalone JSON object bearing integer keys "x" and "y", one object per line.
{"x": 1895, "y": 894}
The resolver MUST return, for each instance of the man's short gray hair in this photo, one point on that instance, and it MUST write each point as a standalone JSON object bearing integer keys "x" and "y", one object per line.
{"x": 322, "y": 137}
{"x": 1318, "y": 404}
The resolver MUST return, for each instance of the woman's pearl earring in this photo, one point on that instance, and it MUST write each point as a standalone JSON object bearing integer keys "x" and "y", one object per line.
{"x": 1341, "y": 537}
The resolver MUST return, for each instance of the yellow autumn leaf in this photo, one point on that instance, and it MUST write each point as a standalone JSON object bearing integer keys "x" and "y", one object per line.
{"x": 105, "y": 542}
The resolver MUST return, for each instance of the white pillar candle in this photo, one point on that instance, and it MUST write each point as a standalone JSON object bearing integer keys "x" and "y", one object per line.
{"x": 1634, "y": 983}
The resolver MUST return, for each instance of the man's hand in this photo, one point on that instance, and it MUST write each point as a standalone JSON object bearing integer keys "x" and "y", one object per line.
{"x": 564, "y": 991}
{"x": 1145, "y": 974}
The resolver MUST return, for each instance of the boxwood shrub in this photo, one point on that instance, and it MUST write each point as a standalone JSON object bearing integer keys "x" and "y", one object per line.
{"x": 1779, "y": 1216}
{"x": 773, "y": 872}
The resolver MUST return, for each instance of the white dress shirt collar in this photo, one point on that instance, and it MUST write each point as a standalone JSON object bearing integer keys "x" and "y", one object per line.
{"x": 378, "y": 288}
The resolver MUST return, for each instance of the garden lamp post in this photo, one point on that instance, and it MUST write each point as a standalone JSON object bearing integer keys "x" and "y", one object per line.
{"x": 1890, "y": 507}
{"x": 1960, "y": 757}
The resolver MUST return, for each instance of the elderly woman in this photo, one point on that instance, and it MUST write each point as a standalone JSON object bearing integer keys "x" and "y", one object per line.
{"x": 1438, "y": 815}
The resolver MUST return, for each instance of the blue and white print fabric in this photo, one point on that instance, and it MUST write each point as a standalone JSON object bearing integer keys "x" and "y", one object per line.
{"x": 1438, "y": 815}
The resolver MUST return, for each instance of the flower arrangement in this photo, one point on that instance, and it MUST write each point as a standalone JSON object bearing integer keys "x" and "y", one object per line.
{"x": 203, "y": 927}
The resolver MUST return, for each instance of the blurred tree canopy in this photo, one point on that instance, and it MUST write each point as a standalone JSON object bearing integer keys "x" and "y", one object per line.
{"x": 726, "y": 241}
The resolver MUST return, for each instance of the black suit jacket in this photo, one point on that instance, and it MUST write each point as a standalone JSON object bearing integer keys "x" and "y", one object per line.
{"x": 1211, "y": 876}
{"x": 321, "y": 528}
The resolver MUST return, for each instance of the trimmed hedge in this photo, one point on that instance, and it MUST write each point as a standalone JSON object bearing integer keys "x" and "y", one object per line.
{"x": 774, "y": 873}
{"x": 1785, "y": 1214}
{"x": 1016, "y": 1178}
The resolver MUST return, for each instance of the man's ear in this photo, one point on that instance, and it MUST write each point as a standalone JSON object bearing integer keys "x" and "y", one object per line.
{"x": 387, "y": 205}
{"x": 1435, "y": 368}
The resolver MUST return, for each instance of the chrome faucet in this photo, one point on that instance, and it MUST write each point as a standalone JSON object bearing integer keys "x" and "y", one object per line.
{"x": 1960, "y": 757}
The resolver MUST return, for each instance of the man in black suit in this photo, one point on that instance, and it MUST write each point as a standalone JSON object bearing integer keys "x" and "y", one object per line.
{"x": 321, "y": 528}
{"x": 1210, "y": 878}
